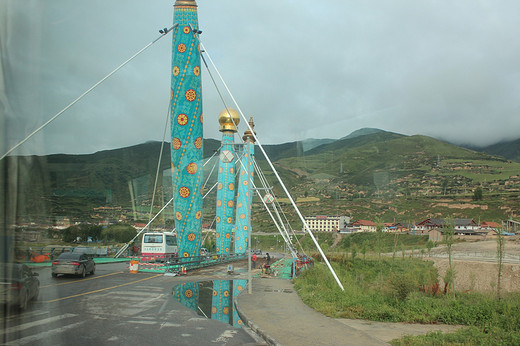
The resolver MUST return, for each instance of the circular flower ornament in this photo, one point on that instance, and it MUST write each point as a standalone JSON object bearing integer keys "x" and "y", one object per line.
{"x": 198, "y": 143}
{"x": 186, "y": 29}
{"x": 181, "y": 47}
{"x": 192, "y": 168}
{"x": 184, "y": 192}
{"x": 176, "y": 70}
{"x": 176, "y": 143}
{"x": 182, "y": 119}
{"x": 190, "y": 95}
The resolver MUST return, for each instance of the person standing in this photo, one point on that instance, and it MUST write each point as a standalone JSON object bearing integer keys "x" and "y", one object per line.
{"x": 267, "y": 258}
{"x": 253, "y": 258}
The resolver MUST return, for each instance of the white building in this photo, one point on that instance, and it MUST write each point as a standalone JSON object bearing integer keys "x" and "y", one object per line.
{"x": 323, "y": 223}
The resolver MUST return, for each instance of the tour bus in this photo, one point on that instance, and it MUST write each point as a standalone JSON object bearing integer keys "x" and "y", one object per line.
{"x": 159, "y": 246}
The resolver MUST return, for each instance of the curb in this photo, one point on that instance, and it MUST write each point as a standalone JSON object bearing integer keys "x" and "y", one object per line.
{"x": 254, "y": 328}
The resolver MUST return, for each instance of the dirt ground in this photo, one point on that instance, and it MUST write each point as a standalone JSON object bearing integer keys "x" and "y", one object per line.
{"x": 476, "y": 265}
{"x": 476, "y": 271}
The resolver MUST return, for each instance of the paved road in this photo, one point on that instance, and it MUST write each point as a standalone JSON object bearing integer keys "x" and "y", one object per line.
{"x": 113, "y": 307}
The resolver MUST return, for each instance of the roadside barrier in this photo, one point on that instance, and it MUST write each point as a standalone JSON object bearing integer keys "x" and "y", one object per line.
{"x": 134, "y": 267}
{"x": 180, "y": 265}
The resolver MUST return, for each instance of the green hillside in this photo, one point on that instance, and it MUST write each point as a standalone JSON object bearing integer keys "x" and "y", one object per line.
{"x": 509, "y": 150}
{"x": 378, "y": 176}
{"x": 388, "y": 177}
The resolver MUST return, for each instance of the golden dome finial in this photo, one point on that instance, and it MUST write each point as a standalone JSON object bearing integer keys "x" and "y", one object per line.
{"x": 247, "y": 133}
{"x": 228, "y": 120}
{"x": 185, "y": 3}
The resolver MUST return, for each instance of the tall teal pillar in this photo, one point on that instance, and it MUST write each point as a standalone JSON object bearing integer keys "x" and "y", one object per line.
{"x": 238, "y": 287}
{"x": 186, "y": 128}
{"x": 221, "y": 301}
{"x": 245, "y": 192}
{"x": 188, "y": 294}
{"x": 228, "y": 120}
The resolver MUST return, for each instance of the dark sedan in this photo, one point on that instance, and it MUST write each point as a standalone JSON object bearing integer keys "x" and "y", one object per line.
{"x": 19, "y": 284}
{"x": 73, "y": 263}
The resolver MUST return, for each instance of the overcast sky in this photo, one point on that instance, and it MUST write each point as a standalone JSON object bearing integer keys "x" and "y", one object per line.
{"x": 302, "y": 68}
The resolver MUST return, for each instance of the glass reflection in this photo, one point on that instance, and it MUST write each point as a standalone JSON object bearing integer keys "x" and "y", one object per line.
{"x": 212, "y": 299}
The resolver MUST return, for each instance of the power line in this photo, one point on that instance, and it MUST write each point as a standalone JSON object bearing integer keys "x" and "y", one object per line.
{"x": 86, "y": 92}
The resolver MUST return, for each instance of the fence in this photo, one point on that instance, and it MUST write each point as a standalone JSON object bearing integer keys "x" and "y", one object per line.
{"x": 179, "y": 265}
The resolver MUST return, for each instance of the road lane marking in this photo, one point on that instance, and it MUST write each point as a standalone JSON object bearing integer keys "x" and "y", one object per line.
{"x": 41, "y": 336}
{"x": 103, "y": 289}
{"x": 82, "y": 280}
{"x": 35, "y": 323}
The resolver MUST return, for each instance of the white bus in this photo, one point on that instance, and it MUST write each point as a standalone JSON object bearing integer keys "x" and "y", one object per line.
{"x": 159, "y": 246}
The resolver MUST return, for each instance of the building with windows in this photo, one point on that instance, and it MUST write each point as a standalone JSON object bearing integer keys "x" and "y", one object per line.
{"x": 323, "y": 223}
{"x": 365, "y": 225}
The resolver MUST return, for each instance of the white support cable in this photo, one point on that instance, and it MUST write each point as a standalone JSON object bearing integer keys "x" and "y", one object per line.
{"x": 265, "y": 184}
{"x": 207, "y": 193}
{"x": 280, "y": 219}
{"x": 285, "y": 238}
{"x": 142, "y": 230}
{"x": 159, "y": 163}
{"x": 215, "y": 153}
{"x": 85, "y": 93}
{"x": 275, "y": 172}
{"x": 293, "y": 253}
{"x": 262, "y": 175}
{"x": 209, "y": 175}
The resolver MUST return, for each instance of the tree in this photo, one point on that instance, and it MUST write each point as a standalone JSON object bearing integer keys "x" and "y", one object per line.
{"x": 120, "y": 233}
{"x": 500, "y": 259}
{"x": 82, "y": 231}
{"x": 364, "y": 248}
{"x": 430, "y": 245}
{"x": 449, "y": 240}
{"x": 477, "y": 194}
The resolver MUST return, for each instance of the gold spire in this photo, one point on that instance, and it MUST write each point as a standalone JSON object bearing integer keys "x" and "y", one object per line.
{"x": 247, "y": 133}
{"x": 228, "y": 120}
{"x": 186, "y": 3}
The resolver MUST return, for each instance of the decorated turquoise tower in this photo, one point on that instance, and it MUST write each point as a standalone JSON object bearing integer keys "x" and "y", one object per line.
{"x": 186, "y": 128}
{"x": 228, "y": 120}
{"x": 245, "y": 192}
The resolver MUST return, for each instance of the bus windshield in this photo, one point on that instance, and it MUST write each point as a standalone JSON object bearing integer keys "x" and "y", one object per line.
{"x": 153, "y": 238}
{"x": 171, "y": 240}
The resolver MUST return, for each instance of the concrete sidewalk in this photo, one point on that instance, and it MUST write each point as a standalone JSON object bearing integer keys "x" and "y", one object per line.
{"x": 276, "y": 312}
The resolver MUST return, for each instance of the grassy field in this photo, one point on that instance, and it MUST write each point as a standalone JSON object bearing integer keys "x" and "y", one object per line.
{"x": 403, "y": 290}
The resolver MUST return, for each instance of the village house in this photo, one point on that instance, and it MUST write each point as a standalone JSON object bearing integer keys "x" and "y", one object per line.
{"x": 466, "y": 229}
{"x": 365, "y": 225}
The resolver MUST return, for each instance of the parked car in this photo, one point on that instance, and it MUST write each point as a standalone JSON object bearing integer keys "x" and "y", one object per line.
{"x": 73, "y": 263}
{"x": 204, "y": 253}
{"x": 19, "y": 284}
